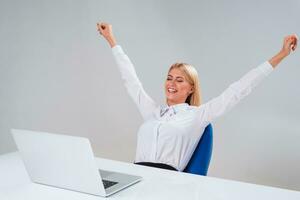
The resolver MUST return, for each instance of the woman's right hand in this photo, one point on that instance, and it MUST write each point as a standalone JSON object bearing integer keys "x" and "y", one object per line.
{"x": 105, "y": 30}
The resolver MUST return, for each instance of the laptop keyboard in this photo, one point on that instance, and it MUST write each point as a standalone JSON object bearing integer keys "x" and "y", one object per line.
{"x": 108, "y": 184}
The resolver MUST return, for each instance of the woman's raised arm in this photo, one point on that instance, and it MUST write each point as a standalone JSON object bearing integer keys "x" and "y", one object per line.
{"x": 132, "y": 83}
{"x": 243, "y": 87}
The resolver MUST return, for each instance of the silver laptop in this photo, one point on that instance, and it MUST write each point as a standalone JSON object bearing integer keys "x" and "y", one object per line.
{"x": 67, "y": 162}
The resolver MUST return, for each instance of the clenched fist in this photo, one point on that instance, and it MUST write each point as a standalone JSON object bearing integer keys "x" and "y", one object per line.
{"x": 105, "y": 30}
{"x": 289, "y": 44}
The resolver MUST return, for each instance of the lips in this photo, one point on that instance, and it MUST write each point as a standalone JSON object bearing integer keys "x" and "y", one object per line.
{"x": 172, "y": 90}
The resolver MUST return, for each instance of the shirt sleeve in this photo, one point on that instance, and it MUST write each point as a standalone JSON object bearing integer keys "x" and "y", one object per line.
{"x": 133, "y": 85}
{"x": 234, "y": 93}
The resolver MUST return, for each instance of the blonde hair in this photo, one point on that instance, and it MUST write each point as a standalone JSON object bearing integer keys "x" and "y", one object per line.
{"x": 191, "y": 75}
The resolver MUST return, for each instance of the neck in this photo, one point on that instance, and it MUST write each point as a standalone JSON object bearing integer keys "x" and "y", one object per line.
{"x": 172, "y": 103}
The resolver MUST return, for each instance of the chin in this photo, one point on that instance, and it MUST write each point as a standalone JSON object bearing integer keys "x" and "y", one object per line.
{"x": 173, "y": 101}
{"x": 171, "y": 98}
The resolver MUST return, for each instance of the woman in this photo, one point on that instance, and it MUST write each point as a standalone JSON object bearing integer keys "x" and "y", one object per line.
{"x": 169, "y": 134}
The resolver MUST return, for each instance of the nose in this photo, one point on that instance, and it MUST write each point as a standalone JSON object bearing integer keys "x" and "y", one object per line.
{"x": 171, "y": 83}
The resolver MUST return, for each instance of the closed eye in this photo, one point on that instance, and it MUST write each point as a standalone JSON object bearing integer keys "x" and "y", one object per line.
{"x": 179, "y": 79}
{"x": 169, "y": 77}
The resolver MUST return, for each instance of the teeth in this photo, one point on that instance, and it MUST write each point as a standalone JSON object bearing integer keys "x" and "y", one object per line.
{"x": 172, "y": 90}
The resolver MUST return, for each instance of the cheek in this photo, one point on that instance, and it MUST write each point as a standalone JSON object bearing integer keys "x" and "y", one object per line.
{"x": 185, "y": 88}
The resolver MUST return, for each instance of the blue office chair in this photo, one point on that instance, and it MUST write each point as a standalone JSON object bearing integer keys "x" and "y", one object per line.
{"x": 200, "y": 159}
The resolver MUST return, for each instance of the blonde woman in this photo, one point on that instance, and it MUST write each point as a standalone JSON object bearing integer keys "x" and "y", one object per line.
{"x": 169, "y": 134}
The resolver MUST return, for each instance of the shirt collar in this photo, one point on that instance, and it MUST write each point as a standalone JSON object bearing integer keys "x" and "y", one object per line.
{"x": 180, "y": 106}
{"x": 174, "y": 108}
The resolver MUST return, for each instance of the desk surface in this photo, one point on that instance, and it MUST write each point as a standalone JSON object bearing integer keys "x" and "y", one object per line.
{"x": 157, "y": 184}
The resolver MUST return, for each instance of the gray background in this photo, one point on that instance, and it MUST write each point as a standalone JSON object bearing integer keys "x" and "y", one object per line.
{"x": 58, "y": 75}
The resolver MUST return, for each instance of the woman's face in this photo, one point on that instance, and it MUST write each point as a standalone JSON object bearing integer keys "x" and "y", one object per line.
{"x": 177, "y": 88}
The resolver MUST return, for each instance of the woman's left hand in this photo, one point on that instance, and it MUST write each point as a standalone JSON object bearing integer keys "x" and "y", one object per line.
{"x": 289, "y": 44}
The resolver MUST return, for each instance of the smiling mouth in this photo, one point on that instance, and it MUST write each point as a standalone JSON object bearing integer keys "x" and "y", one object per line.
{"x": 172, "y": 90}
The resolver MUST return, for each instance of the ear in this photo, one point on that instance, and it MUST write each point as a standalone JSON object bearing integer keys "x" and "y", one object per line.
{"x": 192, "y": 90}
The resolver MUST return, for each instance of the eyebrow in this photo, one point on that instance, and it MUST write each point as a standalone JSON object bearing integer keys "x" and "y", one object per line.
{"x": 176, "y": 77}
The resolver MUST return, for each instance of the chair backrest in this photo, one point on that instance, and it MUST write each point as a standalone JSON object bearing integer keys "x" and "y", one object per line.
{"x": 200, "y": 159}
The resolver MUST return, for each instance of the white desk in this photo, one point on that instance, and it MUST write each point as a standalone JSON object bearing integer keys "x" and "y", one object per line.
{"x": 157, "y": 184}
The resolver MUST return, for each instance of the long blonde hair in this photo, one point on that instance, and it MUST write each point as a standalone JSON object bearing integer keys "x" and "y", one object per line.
{"x": 191, "y": 75}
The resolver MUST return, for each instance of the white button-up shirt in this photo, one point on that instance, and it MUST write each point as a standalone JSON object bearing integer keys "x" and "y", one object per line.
{"x": 170, "y": 134}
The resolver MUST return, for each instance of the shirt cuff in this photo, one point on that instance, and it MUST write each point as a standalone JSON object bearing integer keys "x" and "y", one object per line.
{"x": 266, "y": 68}
{"x": 117, "y": 50}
